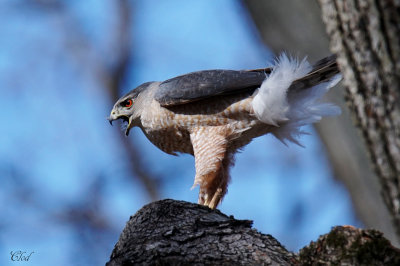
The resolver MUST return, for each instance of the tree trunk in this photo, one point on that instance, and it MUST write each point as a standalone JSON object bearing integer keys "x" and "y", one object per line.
{"x": 172, "y": 232}
{"x": 365, "y": 34}
{"x": 296, "y": 27}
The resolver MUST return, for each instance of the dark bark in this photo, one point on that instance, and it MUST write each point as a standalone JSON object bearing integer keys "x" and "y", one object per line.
{"x": 297, "y": 27}
{"x": 172, "y": 232}
{"x": 365, "y": 34}
{"x": 346, "y": 245}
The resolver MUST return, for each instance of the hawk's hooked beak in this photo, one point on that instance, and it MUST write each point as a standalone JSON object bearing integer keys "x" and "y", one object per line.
{"x": 124, "y": 118}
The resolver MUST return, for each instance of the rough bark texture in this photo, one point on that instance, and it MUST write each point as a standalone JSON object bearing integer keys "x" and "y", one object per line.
{"x": 350, "y": 246}
{"x": 365, "y": 34}
{"x": 180, "y": 233}
{"x": 172, "y": 232}
{"x": 297, "y": 27}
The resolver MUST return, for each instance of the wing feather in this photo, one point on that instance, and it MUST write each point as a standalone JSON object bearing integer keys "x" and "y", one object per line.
{"x": 200, "y": 85}
{"x": 204, "y": 84}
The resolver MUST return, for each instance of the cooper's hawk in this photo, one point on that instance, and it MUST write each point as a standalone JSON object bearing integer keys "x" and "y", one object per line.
{"x": 211, "y": 114}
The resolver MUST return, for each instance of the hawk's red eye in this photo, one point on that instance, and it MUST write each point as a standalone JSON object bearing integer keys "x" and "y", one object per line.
{"x": 128, "y": 103}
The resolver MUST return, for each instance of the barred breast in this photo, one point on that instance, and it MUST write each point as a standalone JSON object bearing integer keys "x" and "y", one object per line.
{"x": 169, "y": 128}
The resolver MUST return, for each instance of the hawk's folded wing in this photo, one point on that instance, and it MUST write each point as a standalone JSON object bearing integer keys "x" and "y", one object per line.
{"x": 204, "y": 84}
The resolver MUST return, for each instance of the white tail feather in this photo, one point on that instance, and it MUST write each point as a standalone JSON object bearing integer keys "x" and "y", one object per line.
{"x": 289, "y": 112}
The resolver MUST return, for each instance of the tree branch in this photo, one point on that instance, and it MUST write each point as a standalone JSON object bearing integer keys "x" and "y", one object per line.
{"x": 172, "y": 232}
{"x": 115, "y": 83}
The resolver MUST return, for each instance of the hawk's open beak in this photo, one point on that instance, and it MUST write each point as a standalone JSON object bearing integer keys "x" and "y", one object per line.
{"x": 124, "y": 119}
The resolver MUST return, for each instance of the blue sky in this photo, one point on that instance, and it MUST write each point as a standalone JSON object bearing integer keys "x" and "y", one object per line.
{"x": 56, "y": 144}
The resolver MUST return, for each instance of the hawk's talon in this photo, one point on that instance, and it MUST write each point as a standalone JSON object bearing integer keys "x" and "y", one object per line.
{"x": 216, "y": 199}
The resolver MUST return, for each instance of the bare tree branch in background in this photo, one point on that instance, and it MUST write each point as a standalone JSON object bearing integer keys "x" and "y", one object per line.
{"x": 115, "y": 80}
{"x": 366, "y": 37}
{"x": 111, "y": 76}
{"x": 297, "y": 27}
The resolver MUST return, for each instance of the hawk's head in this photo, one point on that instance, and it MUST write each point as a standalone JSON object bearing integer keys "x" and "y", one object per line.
{"x": 127, "y": 109}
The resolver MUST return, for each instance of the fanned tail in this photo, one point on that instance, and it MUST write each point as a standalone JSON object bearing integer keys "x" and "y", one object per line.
{"x": 290, "y": 97}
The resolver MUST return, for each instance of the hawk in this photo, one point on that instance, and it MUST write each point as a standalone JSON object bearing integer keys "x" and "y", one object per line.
{"x": 212, "y": 114}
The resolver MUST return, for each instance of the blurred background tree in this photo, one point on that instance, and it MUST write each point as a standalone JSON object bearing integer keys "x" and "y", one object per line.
{"x": 297, "y": 27}
{"x": 69, "y": 181}
{"x": 366, "y": 37}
